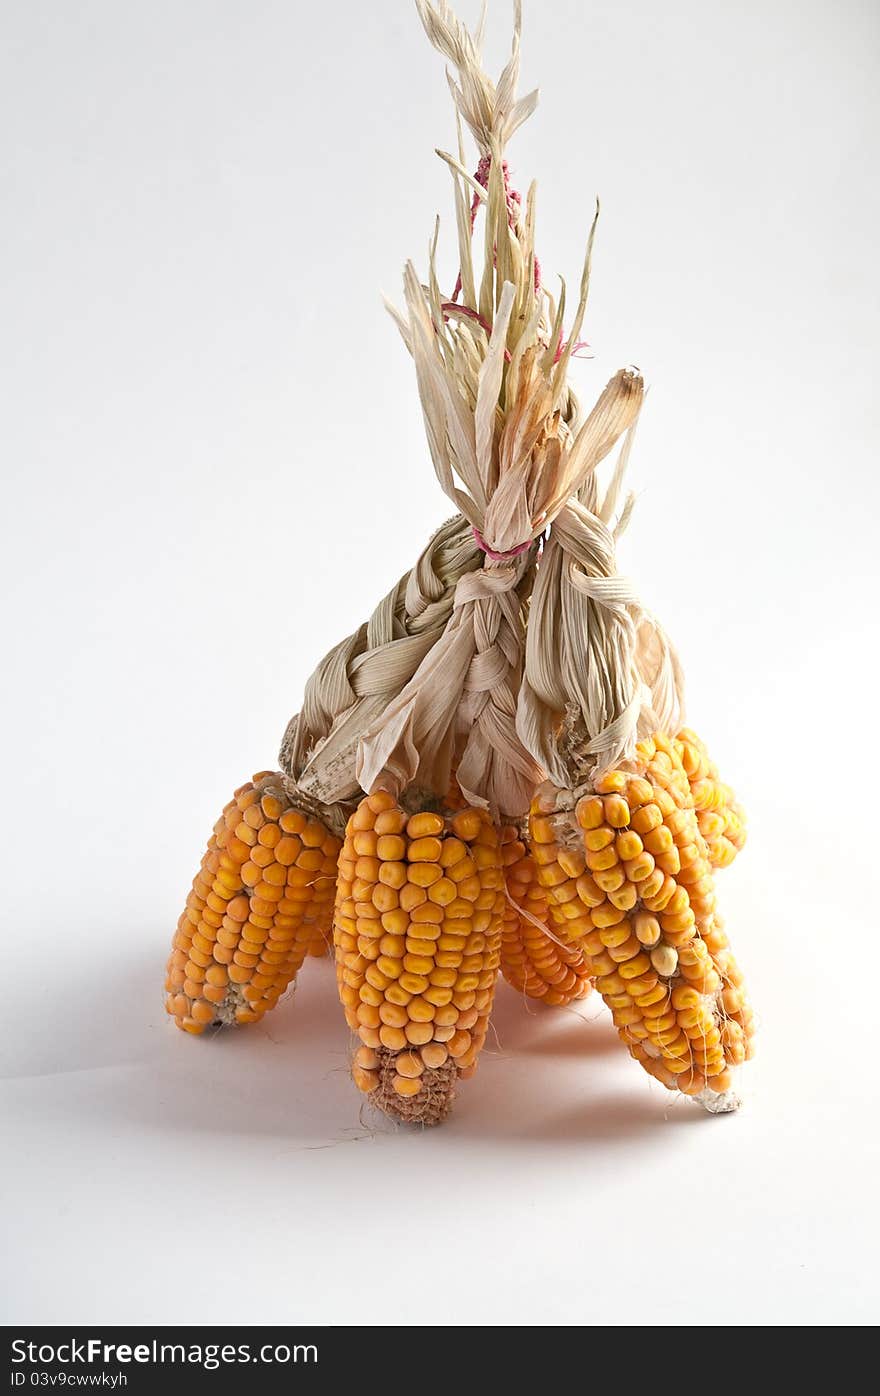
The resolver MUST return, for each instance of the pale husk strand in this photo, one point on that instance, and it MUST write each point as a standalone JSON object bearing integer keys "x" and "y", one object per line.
{"x": 492, "y": 112}
{"x": 361, "y": 676}
{"x": 600, "y": 672}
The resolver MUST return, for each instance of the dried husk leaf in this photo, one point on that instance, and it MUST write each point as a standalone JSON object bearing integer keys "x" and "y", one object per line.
{"x": 361, "y": 676}
{"x": 600, "y": 672}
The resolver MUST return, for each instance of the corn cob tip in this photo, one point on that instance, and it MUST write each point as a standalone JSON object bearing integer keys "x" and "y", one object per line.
{"x": 428, "y": 1105}
{"x": 724, "y": 1103}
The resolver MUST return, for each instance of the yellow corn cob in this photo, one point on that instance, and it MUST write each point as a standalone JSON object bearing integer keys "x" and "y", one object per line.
{"x": 532, "y": 961}
{"x": 263, "y": 893}
{"x": 720, "y": 818}
{"x": 628, "y": 878}
{"x": 417, "y": 934}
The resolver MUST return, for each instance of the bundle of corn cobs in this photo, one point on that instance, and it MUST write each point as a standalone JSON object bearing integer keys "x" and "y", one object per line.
{"x": 491, "y": 773}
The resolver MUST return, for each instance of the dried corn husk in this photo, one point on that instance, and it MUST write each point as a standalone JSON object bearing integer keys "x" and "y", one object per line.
{"x": 358, "y": 679}
{"x": 403, "y": 708}
{"x": 600, "y": 671}
{"x": 508, "y": 448}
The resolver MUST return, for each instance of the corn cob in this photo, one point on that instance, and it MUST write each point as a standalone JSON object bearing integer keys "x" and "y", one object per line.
{"x": 628, "y": 878}
{"x": 533, "y": 961}
{"x": 262, "y": 895}
{"x": 417, "y": 931}
{"x": 720, "y": 818}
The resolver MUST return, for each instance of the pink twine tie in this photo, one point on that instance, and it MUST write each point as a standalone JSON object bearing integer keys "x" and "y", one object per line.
{"x": 499, "y": 557}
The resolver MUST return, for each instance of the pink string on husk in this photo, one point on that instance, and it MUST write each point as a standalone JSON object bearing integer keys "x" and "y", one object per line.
{"x": 575, "y": 353}
{"x": 450, "y": 308}
{"x": 494, "y": 556}
{"x": 513, "y": 199}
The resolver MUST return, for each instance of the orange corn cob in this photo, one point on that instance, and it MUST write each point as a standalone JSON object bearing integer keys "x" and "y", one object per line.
{"x": 533, "y": 961}
{"x": 417, "y": 933}
{"x": 263, "y": 893}
{"x": 628, "y": 878}
{"x": 720, "y": 818}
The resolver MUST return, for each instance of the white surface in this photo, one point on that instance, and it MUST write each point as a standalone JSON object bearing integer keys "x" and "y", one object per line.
{"x": 214, "y": 465}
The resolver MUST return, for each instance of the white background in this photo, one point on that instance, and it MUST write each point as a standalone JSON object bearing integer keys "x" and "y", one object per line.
{"x": 214, "y": 466}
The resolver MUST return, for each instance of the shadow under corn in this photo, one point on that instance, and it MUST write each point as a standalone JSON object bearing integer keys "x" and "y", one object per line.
{"x": 554, "y": 1077}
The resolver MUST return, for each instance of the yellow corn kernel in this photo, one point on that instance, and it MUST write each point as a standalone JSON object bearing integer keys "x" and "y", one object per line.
{"x": 607, "y": 915}
{"x": 639, "y": 868}
{"x": 638, "y": 792}
{"x": 424, "y": 850}
{"x": 589, "y": 813}
{"x": 628, "y": 845}
{"x": 595, "y": 839}
{"x": 646, "y": 819}
{"x": 612, "y": 936}
{"x": 611, "y": 781}
{"x": 659, "y": 840}
{"x": 422, "y": 875}
{"x": 624, "y": 898}
{"x": 425, "y": 825}
{"x": 406, "y": 1085}
{"x": 610, "y": 879}
{"x": 617, "y": 811}
{"x": 638, "y": 965}
{"x": 604, "y": 859}
{"x": 390, "y": 848}
{"x": 588, "y": 891}
{"x": 647, "y": 928}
